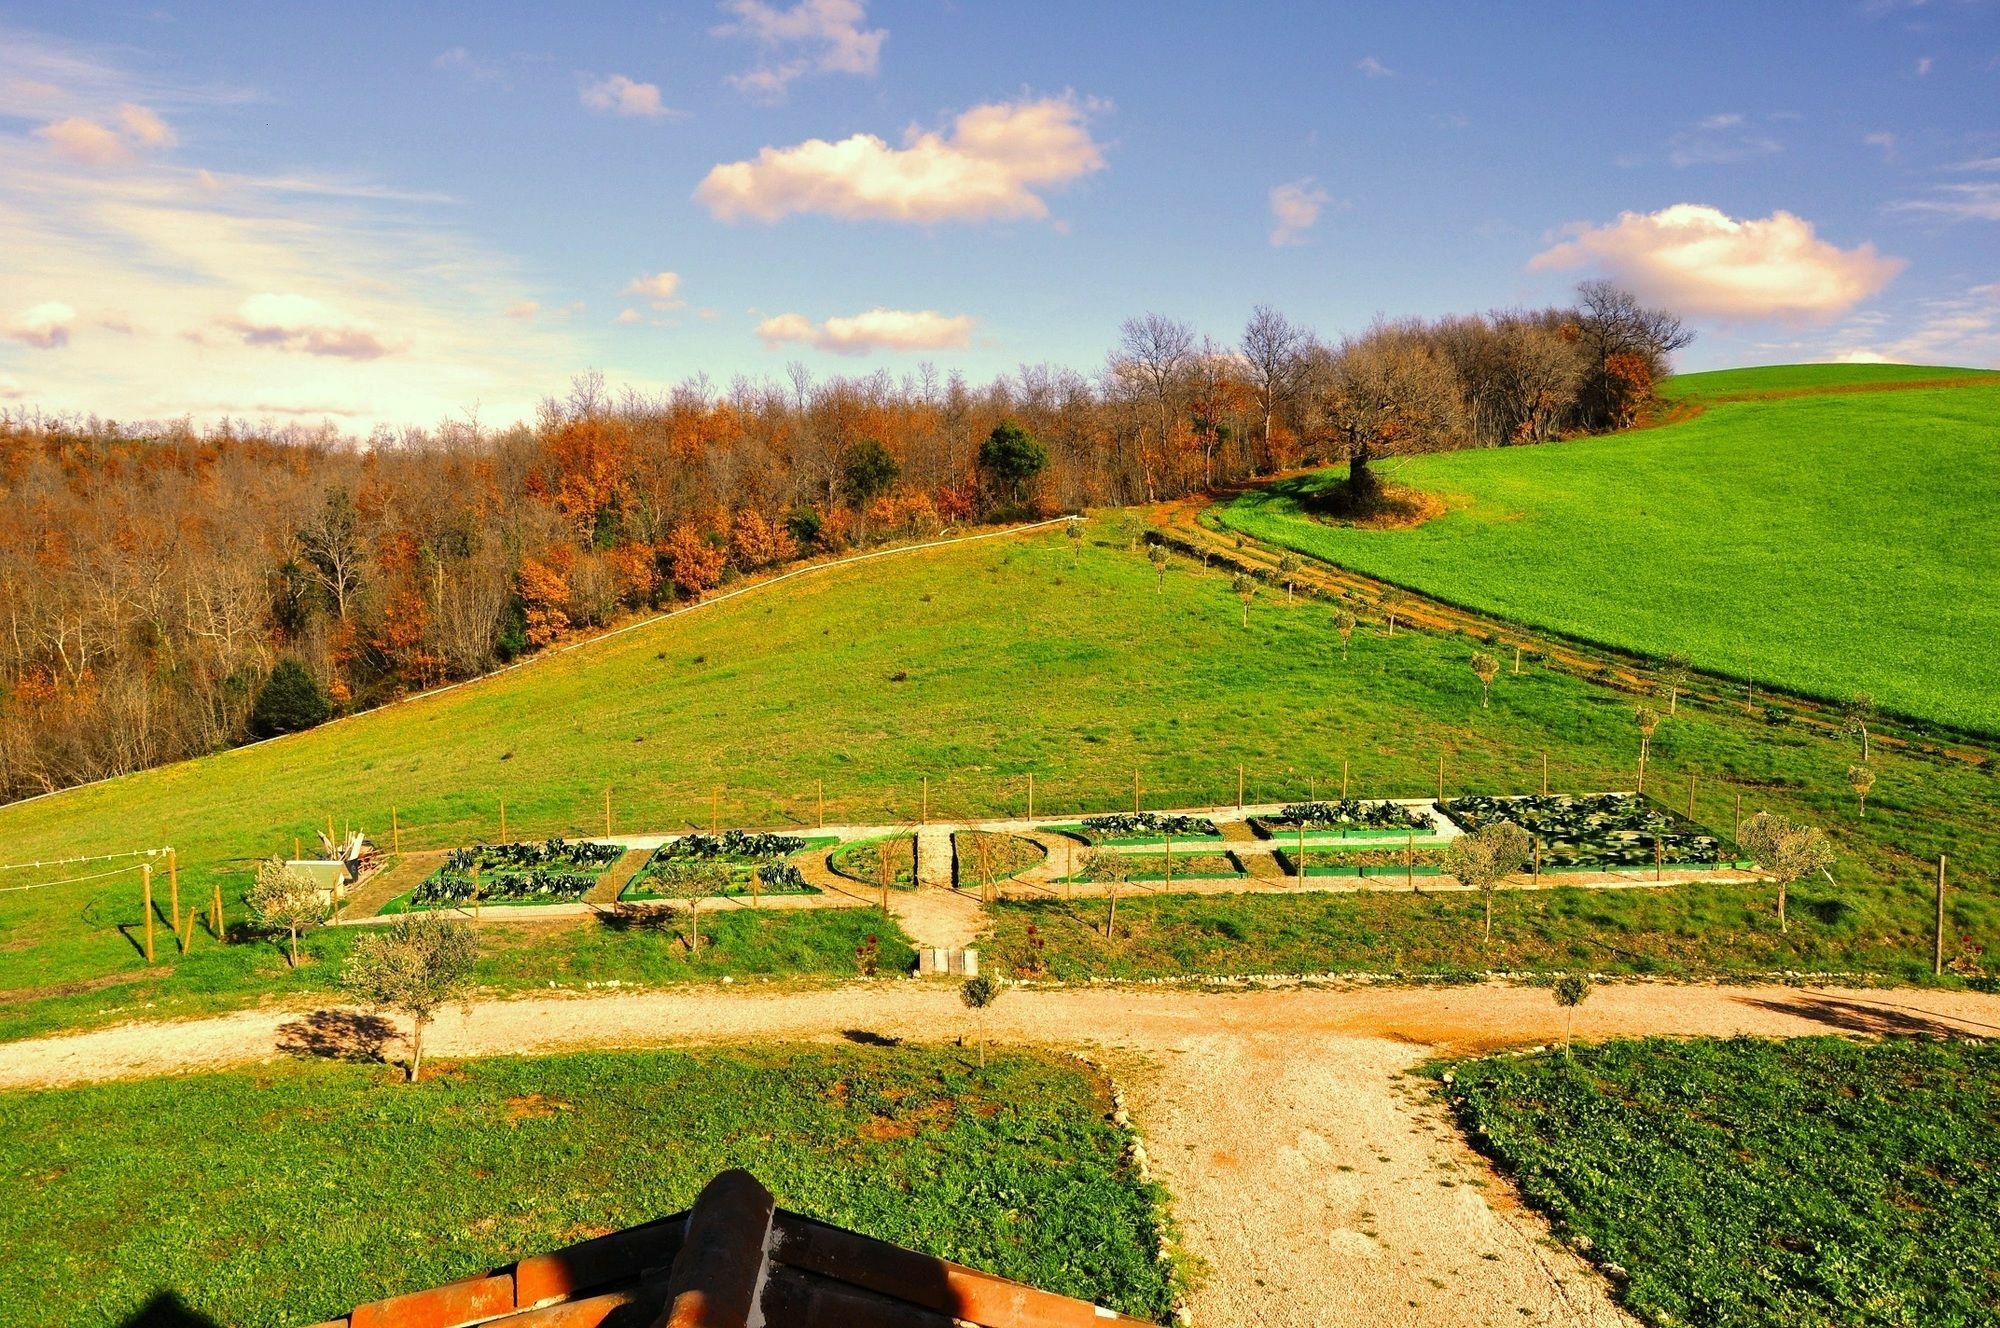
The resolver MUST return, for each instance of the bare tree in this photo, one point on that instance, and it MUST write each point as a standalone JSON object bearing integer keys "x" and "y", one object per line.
{"x": 1274, "y": 349}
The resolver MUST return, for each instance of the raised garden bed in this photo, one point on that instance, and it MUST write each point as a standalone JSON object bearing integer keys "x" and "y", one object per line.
{"x": 1197, "y": 866}
{"x": 862, "y": 861}
{"x": 756, "y": 862}
{"x": 1349, "y": 817}
{"x": 551, "y": 871}
{"x": 1139, "y": 828}
{"x": 1368, "y": 862}
{"x": 989, "y": 856}
{"x": 1601, "y": 832}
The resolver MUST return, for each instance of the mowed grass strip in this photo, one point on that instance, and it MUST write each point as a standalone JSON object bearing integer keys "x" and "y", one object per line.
{"x": 1826, "y": 544}
{"x": 980, "y": 666}
{"x": 290, "y": 1193}
{"x": 1816, "y": 1183}
{"x": 1680, "y": 931}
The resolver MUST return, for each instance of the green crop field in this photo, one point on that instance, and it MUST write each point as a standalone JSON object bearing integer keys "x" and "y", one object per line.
{"x": 1823, "y": 543}
{"x": 978, "y": 665}
{"x": 1815, "y": 1183}
{"x": 293, "y": 1192}
{"x": 1782, "y": 379}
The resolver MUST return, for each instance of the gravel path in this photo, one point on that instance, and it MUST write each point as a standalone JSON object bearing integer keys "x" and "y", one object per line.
{"x": 1317, "y": 1181}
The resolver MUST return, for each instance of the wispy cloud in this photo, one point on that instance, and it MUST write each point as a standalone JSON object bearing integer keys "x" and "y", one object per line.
{"x": 1954, "y": 202}
{"x": 1720, "y": 140}
{"x": 1373, "y": 67}
{"x": 1295, "y": 210}
{"x": 811, "y": 36}
{"x": 618, "y": 95}
{"x": 991, "y": 163}
{"x": 659, "y": 289}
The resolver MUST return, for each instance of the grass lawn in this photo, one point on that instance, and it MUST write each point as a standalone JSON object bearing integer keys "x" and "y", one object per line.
{"x": 1015, "y": 657}
{"x": 1822, "y": 543}
{"x": 1816, "y": 1183}
{"x": 736, "y": 941}
{"x": 1778, "y": 379}
{"x": 1688, "y": 931}
{"x": 292, "y": 1192}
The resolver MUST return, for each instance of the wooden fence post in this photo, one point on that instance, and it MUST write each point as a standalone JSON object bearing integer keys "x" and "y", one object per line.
{"x": 1691, "y": 787}
{"x": 925, "y": 819}
{"x": 174, "y": 889}
{"x": 215, "y": 915}
{"x": 1545, "y": 774}
{"x": 1538, "y": 862}
{"x": 329, "y": 831}
{"x": 819, "y": 803}
{"x": 146, "y": 871}
{"x": 475, "y": 889}
{"x": 503, "y": 820}
{"x": 714, "y": 808}
{"x": 1440, "y": 776}
{"x": 1302, "y": 850}
{"x": 297, "y": 851}
{"x": 1937, "y": 948}
{"x": 395, "y": 832}
{"x": 1343, "y": 779}
{"x": 1031, "y": 795}
{"x": 1239, "y": 788}
{"x": 1659, "y": 857}
{"x": 1135, "y": 792}
{"x": 607, "y": 811}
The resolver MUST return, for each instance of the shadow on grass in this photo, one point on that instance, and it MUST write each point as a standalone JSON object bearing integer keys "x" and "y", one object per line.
{"x": 867, "y": 1038}
{"x": 338, "y": 1035}
{"x": 166, "y": 1309}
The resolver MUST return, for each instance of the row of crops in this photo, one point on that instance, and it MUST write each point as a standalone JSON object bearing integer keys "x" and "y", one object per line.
{"x": 550, "y": 871}
{"x": 1605, "y": 831}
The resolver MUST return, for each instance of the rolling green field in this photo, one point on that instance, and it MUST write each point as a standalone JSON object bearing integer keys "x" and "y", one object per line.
{"x": 1814, "y": 1183}
{"x": 1780, "y": 379}
{"x": 1822, "y": 543}
{"x": 292, "y": 1192}
{"x": 980, "y": 664}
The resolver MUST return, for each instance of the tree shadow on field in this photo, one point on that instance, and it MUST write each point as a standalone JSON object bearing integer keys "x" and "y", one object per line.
{"x": 338, "y": 1035}
{"x": 867, "y": 1038}
{"x": 627, "y": 918}
{"x": 1849, "y": 1015}
{"x": 166, "y": 1309}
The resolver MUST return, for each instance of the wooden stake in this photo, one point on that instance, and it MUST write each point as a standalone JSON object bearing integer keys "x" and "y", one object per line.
{"x": 715, "y": 809}
{"x": 1312, "y": 788}
{"x": 1343, "y": 779}
{"x": 1440, "y": 776}
{"x": 1659, "y": 857}
{"x": 475, "y": 890}
{"x": 819, "y": 803}
{"x": 1239, "y": 788}
{"x": 215, "y": 915}
{"x": 174, "y": 889}
{"x": 146, "y": 871}
{"x": 1031, "y": 795}
{"x": 1302, "y": 850}
{"x": 184, "y": 930}
{"x": 503, "y": 820}
{"x": 1545, "y": 774}
{"x": 1691, "y": 787}
{"x": 1517, "y": 660}
{"x": 297, "y": 852}
{"x": 1538, "y": 862}
{"x": 1937, "y": 949}
{"x": 329, "y": 831}
{"x": 607, "y": 811}
{"x": 395, "y": 832}
{"x": 1135, "y": 792}
{"x": 926, "y": 818}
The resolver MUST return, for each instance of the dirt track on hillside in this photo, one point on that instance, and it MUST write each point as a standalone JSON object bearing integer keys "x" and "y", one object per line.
{"x": 1318, "y": 1182}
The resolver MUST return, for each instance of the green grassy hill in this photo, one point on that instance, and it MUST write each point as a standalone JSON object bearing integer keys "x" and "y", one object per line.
{"x": 1787, "y": 379}
{"x": 1831, "y": 542}
{"x": 975, "y": 666}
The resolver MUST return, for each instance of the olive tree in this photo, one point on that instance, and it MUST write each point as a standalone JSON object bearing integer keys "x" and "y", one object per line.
{"x": 1246, "y": 590}
{"x": 415, "y": 967}
{"x": 1648, "y": 721}
{"x": 1861, "y": 779}
{"x": 1485, "y": 857}
{"x": 977, "y": 993}
{"x": 1110, "y": 869}
{"x": 1855, "y": 717}
{"x": 1571, "y": 990}
{"x": 1288, "y": 568}
{"x": 1674, "y": 680}
{"x": 1788, "y": 851}
{"x": 691, "y": 880}
{"x": 1156, "y": 554}
{"x": 1345, "y": 622}
{"x": 1394, "y": 603}
{"x": 1075, "y": 532}
{"x": 286, "y": 899}
{"x": 1486, "y": 669}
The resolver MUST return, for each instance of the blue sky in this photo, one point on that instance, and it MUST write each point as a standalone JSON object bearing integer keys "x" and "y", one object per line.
{"x": 368, "y": 213}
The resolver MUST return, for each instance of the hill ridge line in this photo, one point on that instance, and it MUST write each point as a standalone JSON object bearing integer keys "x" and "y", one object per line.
{"x": 761, "y": 583}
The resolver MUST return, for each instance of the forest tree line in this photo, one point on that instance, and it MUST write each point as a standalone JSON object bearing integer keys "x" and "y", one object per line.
{"x": 167, "y": 590}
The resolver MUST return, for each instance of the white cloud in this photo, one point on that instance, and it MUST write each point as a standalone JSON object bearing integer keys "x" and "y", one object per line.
{"x": 307, "y": 326}
{"x": 1924, "y": 66}
{"x": 877, "y": 329}
{"x": 1956, "y": 202}
{"x": 1374, "y": 68}
{"x": 1882, "y": 139}
{"x": 45, "y": 325}
{"x": 1962, "y": 330}
{"x": 523, "y": 309}
{"x": 627, "y": 317}
{"x": 811, "y": 36}
{"x": 464, "y": 64}
{"x": 1728, "y": 120}
{"x": 10, "y": 388}
{"x": 1701, "y": 262}
{"x": 1295, "y": 209}
{"x": 1719, "y": 140}
{"x": 660, "y": 288}
{"x": 619, "y": 95}
{"x": 89, "y": 143}
{"x": 988, "y": 165}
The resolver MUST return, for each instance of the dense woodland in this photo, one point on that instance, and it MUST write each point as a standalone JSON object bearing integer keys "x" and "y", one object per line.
{"x": 167, "y": 590}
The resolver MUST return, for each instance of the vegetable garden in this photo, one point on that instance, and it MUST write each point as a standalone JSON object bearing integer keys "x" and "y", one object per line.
{"x": 552, "y": 871}
{"x": 1139, "y": 828}
{"x": 756, "y": 862}
{"x": 1603, "y": 831}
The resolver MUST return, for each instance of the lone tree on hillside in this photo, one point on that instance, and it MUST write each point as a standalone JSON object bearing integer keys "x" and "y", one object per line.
{"x": 978, "y": 993}
{"x": 1648, "y": 720}
{"x": 1394, "y": 603}
{"x": 1788, "y": 851}
{"x": 1487, "y": 856}
{"x": 290, "y": 700}
{"x": 1156, "y": 554}
{"x": 1288, "y": 567}
{"x": 1571, "y": 990}
{"x": 1246, "y": 590}
{"x": 867, "y": 471}
{"x": 1486, "y": 668}
{"x": 286, "y": 899}
{"x": 420, "y": 964}
{"x": 1861, "y": 779}
{"x": 691, "y": 880}
{"x": 1674, "y": 680}
{"x": 1075, "y": 532}
{"x": 1856, "y": 716}
{"x": 1345, "y": 622}
{"x": 1009, "y": 460}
